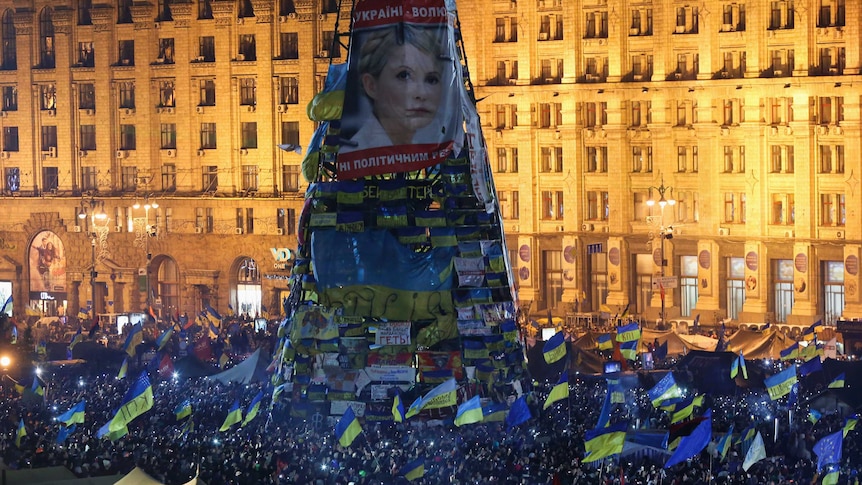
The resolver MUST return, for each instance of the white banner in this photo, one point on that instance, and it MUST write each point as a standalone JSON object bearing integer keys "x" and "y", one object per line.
{"x": 471, "y": 271}
{"x": 337, "y": 408}
{"x": 393, "y": 333}
{"x": 391, "y": 373}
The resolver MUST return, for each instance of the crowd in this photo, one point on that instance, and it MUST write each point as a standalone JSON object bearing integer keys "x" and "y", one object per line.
{"x": 277, "y": 448}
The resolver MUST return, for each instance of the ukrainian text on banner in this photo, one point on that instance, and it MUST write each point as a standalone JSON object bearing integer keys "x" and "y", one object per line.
{"x": 393, "y": 122}
{"x": 337, "y": 408}
{"x": 393, "y": 333}
{"x": 391, "y": 373}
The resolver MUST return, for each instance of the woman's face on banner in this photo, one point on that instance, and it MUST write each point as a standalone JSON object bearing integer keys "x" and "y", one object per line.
{"x": 406, "y": 94}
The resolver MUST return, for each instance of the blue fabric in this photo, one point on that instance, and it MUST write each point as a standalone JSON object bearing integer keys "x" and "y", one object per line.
{"x": 370, "y": 257}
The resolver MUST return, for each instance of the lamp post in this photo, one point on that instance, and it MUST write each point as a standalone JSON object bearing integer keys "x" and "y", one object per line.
{"x": 664, "y": 232}
{"x": 145, "y": 234}
{"x": 94, "y": 209}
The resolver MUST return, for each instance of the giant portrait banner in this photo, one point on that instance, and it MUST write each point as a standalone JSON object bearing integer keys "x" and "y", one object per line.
{"x": 47, "y": 260}
{"x": 402, "y": 109}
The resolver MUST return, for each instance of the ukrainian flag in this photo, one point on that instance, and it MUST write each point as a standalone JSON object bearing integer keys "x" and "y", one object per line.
{"x": 37, "y": 387}
{"x": 604, "y": 442}
{"x": 665, "y": 392}
{"x": 22, "y": 432}
{"x": 164, "y": 338}
{"x": 443, "y": 395}
{"x": 684, "y": 409}
{"x": 234, "y": 415}
{"x": 831, "y": 476}
{"x": 747, "y": 434}
{"x": 134, "y": 338}
{"x": 814, "y": 416}
{"x": 604, "y": 342}
{"x": 415, "y": 469}
{"x": 838, "y": 382}
{"x": 348, "y": 428}
{"x": 253, "y": 408}
{"x": 469, "y": 412}
{"x": 738, "y": 362}
{"x": 811, "y": 332}
{"x": 559, "y": 392}
{"x": 629, "y": 350}
{"x": 779, "y": 384}
{"x": 791, "y": 352}
{"x": 724, "y": 443}
{"x": 183, "y": 409}
{"x": 810, "y": 351}
{"x": 112, "y": 435}
{"x": 123, "y": 369}
{"x": 137, "y": 401}
{"x": 629, "y": 333}
{"x": 18, "y": 387}
{"x": 76, "y": 338}
{"x": 850, "y": 423}
{"x": 555, "y": 348}
{"x": 74, "y": 415}
{"x": 494, "y": 412}
{"x": 398, "y": 409}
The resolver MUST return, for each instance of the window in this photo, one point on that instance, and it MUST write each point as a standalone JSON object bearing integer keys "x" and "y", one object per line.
{"x": 250, "y": 174}
{"x": 290, "y": 133}
{"x": 551, "y": 27}
{"x": 688, "y": 284}
{"x": 49, "y": 138}
{"x": 206, "y": 49}
{"x": 128, "y": 140}
{"x": 781, "y": 14}
{"x": 288, "y": 45}
{"x": 166, "y": 51}
{"x": 833, "y": 210}
{"x": 10, "y": 98}
{"x": 551, "y": 159}
{"x": 289, "y": 90}
{"x": 286, "y": 220}
{"x": 168, "y": 136}
{"x": 248, "y": 91}
{"x": 9, "y": 52}
{"x": 597, "y": 159}
{"x": 209, "y": 181}
{"x": 595, "y": 114}
{"x": 246, "y": 9}
{"x": 88, "y": 178}
{"x": 641, "y": 67}
{"x": 126, "y": 53}
{"x": 48, "y": 97}
{"x": 780, "y": 110}
{"x": 50, "y": 179}
{"x": 12, "y": 179}
{"x": 163, "y": 12}
{"x": 129, "y": 179}
{"x": 286, "y": 7}
{"x": 207, "y": 92}
{"x": 783, "y": 209}
{"x": 833, "y": 290}
{"x": 782, "y": 159}
{"x": 782, "y": 281}
{"x": 329, "y": 46}
{"x": 124, "y": 12}
{"x": 735, "y": 287}
{"x": 597, "y": 206}
{"x": 641, "y": 159}
{"x": 831, "y": 13}
{"x": 782, "y": 62}
{"x": 640, "y": 113}
{"x": 208, "y": 136}
{"x": 830, "y": 110}
{"x": 732, "y": 112}
{"x": 205, "y": 219}
{"x": 552, "y": 205}
{"x": 641, "y": 22}
{"x": 126, "y": 94}
{"x": 551, "y": 71}
{"x": 88, "y": 137}
{"x": 166, "y": 94}
{"x": 249, "y": 134}
{"x": 596, "y": 25}
{"x": 831, "y": 158}
{"x": 247, "y": 48}
{"x": 205, "y": 9}
{"x": 46, "y": 39}
{"x": 86, "y": 96}
{"x": 734, "y": 207}
{"x": 169, "y": 177}
{"x": 86, "y": 58}
{"x": 10, "y": 138}
{"x": 290, "y": 178}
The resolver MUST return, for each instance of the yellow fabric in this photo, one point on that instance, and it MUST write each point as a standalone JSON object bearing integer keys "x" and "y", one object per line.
{"x": 326, "y": 106}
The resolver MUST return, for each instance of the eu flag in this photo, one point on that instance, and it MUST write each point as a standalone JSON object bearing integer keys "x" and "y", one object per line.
{"x": 828, "y": 450}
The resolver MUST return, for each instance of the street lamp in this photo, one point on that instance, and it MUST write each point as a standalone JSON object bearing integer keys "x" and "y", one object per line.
{"x": 664, "y": 232}
{"x": 94, "y": 209}
{"x": 145, "y": 235}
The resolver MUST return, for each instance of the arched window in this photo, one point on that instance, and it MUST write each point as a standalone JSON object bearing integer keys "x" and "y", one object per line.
{"x": 46, "y": 39}
{"x": 248, "y": 289}
{"x": 84, "y": 7}
{"x": 10, "y": 52}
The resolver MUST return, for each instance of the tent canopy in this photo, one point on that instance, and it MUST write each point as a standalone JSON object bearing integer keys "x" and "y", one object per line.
{"x": 252, "y": 369}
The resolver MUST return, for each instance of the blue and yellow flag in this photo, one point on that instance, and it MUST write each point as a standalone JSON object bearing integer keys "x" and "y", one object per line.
{"x": 415, "y": 469}
{"x": 694, "y": 443}
{"x": 811, "y": 332}
{"x": 779, "y": 385}
{"x": 443, "y": 395}
{"x": 41, "y": 347}
{"x": 747, "y": 434}
{"x": 814, "y": 416}
{"x": 684, "y": 409}
{"x": 665, "y": 391}
{"x": 629, "y": 350}
{"x": 22, "y": 432}
{"x": 810, "y": 366}
{"x": 494, "y": 413}
{"x": 724, "y": 444}
{"x": 791, "y": 352}
{"x": 469, "y": 412}
{"x": 77, "y": 338}
{"x": 398, "y": 413}
{"x": 604, "y": 342}
{"x": 187, "y": 428}
{"x": 73, "y": 415}
{"x": 38, "y": 387}
{"x": 810, "y": 351}
{"x": 124, "y": 368}
{"x": 164, "y": 338}
{"x": 850, "y": 423}
{"x": 348, "y": 428}
{"x": 629, "y": 333}
{"x": 252, "y": 409}
{"x": 234, "y": 415}
{"x": 64, "y": 433}
{"x": 20, "y": 388}
{"x": 737, "y": 364}
{"x": 112, "y": 435}
{"x": 183, "y": 409}
{"x": 135, "y": 337}
{"x": 831, "y": 475}
{"x": 555, "y": 348}
{"x": 604, "y": 442}
{"x": 559, "y": 392}
{"x": 838, "y": 382}
{"x": 137, "y": 401}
